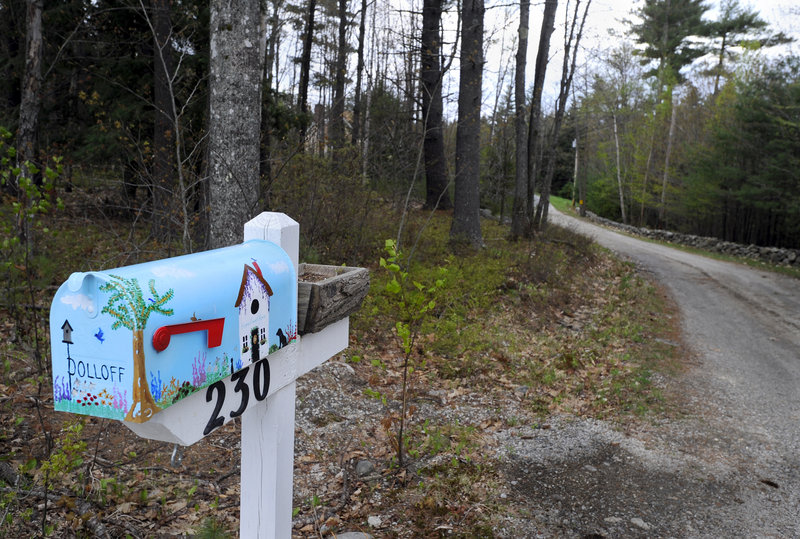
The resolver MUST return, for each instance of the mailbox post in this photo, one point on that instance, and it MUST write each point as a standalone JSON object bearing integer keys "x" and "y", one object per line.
{"x": 268, "y": 432}
{"x": 252, "y": 330}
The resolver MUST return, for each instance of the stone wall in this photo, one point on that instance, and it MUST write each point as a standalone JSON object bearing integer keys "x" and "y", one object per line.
{"x": 771, "y": 255}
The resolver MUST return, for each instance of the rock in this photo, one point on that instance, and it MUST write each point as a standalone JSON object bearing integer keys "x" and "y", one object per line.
{"x": 613, "y": 520}
{"x": 639, "y": 523}
{"x": 374, "y": 521}
{"x": 364, "y": 467}
{"x": 350, "y": 535}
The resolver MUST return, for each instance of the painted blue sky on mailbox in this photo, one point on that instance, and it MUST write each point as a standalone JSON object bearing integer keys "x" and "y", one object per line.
{"x": 186, "y": 296}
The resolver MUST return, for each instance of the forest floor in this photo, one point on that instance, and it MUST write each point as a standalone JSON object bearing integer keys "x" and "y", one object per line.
{"x": 525, "y": 340}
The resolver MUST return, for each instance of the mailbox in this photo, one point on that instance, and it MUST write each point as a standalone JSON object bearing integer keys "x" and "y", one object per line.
{"x": 131, "y": 341}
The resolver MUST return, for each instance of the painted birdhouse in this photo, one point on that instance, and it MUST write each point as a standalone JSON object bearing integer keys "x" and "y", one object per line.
{"x": 131, "y": 341}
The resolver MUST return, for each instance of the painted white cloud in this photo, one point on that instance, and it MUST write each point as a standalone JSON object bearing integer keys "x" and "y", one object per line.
{"x": 172, "y": 272}
{"x": 279, "y": 267}
{"x": 78, "y": 301}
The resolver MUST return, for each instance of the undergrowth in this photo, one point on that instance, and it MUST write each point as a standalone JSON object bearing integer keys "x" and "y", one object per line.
{"x": 554, "y": 319}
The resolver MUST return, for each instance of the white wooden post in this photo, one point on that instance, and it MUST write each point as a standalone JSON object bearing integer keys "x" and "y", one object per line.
{"x": 268, "y": 431}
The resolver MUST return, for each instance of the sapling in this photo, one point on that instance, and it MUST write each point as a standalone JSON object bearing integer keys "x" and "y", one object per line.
{"x": 413, "y": 302}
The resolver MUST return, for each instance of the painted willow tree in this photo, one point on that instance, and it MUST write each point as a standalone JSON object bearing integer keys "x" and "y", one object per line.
{"x": 128, "y": 305}
{"x": 466, "y": 226}
{"x": 238, "y": 45}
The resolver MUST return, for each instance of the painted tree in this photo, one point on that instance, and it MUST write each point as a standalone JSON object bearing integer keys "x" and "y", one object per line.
{"x": 132, "y": 310}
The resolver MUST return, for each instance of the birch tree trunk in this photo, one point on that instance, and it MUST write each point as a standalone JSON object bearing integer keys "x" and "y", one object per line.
{"x": 619, "y": 174}
{"x": 519, "y": 221}
{"x": 662, "y": 209}
{"x": 466, "y": 225}
{"x": 238, "y": 43}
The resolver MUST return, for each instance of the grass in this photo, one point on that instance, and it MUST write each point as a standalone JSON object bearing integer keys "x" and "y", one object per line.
{"x": 503, "y": 311}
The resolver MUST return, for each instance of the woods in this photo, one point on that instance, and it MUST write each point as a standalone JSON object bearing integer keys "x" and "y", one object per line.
{"x": 146, "y": 94}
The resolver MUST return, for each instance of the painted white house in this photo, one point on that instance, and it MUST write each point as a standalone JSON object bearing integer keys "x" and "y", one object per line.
{"x": 253, "y": 304}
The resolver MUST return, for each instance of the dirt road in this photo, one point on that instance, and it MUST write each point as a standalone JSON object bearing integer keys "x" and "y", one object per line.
{"x": 729, "y": 467}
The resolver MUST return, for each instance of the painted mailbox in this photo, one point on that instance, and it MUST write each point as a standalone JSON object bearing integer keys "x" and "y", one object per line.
{"x": 131, "y": 341}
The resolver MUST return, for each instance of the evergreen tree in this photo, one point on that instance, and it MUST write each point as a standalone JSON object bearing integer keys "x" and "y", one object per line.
{"x": 665, "y": 32}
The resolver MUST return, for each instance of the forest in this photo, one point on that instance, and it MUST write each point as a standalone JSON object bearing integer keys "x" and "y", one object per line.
{"x": 685, "y": 121}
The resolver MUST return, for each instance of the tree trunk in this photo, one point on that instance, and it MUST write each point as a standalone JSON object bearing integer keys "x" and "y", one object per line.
{"x": 28, "y": 134}
{"x": 340, "y": 66}
{"x": 143, "y": 406}
{"x": 534, "y": 127}
{"x": 163, "y": 133}
{"x": 662, "y": 209}
{"x": 519, "y": 222}
{"x": 466, "y": 225}
{"x": 359, "y": 74}
{"x": 305, "y": 68}
{"x": 619, "y": 173}
{"x": 572, "y": 38}
{"x": 436, "y": 182}
{"x": 235, "y": 78}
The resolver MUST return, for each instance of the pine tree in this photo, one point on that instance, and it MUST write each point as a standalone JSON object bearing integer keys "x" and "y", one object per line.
{"x": 665, "y": 31}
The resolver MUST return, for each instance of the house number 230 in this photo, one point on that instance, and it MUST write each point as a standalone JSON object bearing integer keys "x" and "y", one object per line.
{"x": 260, "y": 390}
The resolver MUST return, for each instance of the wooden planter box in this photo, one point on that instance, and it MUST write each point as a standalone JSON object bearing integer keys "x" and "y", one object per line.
{"x": 326, "y": 294}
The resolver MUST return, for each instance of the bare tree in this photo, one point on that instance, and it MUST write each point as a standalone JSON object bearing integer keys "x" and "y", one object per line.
{"x": 359, "y": 74}
{"x": 432, "y": 109}
{"x": 340, "y": 68}
{"x": 163, "y": 132}
{"x": 305, "y": 65}
{"x": 466, "y": 225}
{"x": 519, "y": 217}
{"x": 573, "y": 32}
{"x": 534, "y": 122}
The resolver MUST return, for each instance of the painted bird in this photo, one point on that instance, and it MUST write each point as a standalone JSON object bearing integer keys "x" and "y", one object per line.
{"x": 99, "y": 335}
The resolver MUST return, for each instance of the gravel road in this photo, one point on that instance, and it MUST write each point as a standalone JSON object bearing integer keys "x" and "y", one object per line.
{"x": 728, "y": 467}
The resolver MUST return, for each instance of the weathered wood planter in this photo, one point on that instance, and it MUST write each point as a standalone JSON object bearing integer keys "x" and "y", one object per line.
{"x": 326, "y": 294}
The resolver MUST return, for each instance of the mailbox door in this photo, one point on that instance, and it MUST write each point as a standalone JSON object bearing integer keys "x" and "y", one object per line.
{"x": 129, "y": 342}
